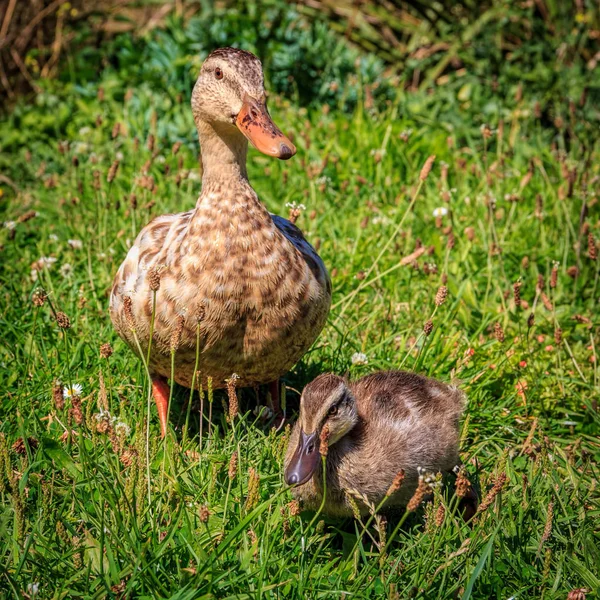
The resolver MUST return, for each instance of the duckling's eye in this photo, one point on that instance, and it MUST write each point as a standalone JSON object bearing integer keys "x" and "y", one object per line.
{"x": 218, "y": 73}
{"x": 333, "y": 410}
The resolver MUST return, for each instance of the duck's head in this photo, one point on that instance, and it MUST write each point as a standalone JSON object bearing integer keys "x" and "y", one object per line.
{"x": 327, "y": 400}
{"x": 229, "y": 95}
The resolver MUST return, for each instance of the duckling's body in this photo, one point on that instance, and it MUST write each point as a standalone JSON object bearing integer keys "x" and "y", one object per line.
{"x": 243, "y": 282}
{"x": 381, "y": 424}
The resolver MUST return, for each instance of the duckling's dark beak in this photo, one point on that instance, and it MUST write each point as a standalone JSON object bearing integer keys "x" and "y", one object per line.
{"x": 256, "y": 124}
{"x": 305, "y": 460}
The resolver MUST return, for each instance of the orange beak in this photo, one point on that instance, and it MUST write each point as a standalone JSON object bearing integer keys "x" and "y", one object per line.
{"x": 256, "y": 124}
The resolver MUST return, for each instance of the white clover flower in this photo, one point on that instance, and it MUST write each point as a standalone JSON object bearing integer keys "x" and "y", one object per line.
{"x": 66, "y": 270}
{"x": 121, "y": 428}
{"x": 10, "y": 225}
{"x": 160, "y": 159}
{"x": 53, "y": 237}
{"x": 359, "y": 358}
{"x": 46, "y": 261}
{"x": 74, "y": 390}
{"x": 440, "y": 211}
{"x": 81, "y": 148}
{"x": 75, "y": 244}
{"x": 119, "y": 156}
{"x": 381, "y": 220}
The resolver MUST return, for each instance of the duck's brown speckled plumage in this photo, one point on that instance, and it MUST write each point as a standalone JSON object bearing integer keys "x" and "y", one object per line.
{"x": 388, "y": 421}
{"x": 258, "y": 290}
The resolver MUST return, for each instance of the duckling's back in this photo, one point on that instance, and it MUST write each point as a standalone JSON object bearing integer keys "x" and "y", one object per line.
{"x": 401, "y": 395}
{"x": 411, "y": 423}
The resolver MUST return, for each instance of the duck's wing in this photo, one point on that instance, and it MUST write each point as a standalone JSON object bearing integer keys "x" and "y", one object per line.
{"x": 297, "y": 239}
{"x": 153, "y": 247}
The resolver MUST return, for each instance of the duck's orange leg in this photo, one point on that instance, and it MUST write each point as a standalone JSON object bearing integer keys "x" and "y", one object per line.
{"x": 160, "y": 393}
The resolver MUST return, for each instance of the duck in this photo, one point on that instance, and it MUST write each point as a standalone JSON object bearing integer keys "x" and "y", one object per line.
{"x": 244, "y": 282}
{"x": 377, "y": 427}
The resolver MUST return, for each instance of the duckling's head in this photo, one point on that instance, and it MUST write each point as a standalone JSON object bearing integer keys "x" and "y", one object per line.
{"x": 325, "y": 401}
{"x": 229, "y": 95}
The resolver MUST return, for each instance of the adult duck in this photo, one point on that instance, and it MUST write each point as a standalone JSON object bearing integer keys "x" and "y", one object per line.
{"x": 244, "y": 282}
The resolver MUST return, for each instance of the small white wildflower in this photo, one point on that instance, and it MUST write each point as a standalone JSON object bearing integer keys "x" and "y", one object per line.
{"x": 193, "y": 175}
{"x": 359, "y": 358}
{"x": 33, "y": 589}
{"x": 323, "y": 179}
{"x": 34, "y": 275}
{"x": 81, "y": 148}
{"x": 121, "y": 428}
{"x": 53, "y": 237}
{"x": 381, "y": 220}
{"x": 101, "y": 256}
{"x": 160, "y": 159}
{"x": 46, "y": 261}
{"x": 66, "y": 270}
{"x": 293, "y": 205}
{"x": 74, "y": 390}
{"x": 119, "y": 156}
{"x": 440, "y": 211}
{"x": 75, "y": 244}
{"x": 85, "y": 131}
{"x": 10, "y": 225}
{"x": 103, "y": 414}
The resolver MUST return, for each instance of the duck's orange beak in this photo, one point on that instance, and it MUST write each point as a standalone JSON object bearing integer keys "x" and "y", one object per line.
{"x": 256, "y": 124}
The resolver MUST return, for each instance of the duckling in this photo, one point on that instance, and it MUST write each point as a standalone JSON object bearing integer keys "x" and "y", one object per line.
{"x": 249, "y": 280}
{"x": 378, "y": 425}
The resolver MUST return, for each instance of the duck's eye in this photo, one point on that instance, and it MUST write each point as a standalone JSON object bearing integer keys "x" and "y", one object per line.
{"x": 218, "y": 73}
{"x": 333, "y": 410}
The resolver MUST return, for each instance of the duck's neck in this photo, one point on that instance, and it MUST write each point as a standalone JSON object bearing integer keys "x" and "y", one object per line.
{"x": 228, "y": 207}
{"x": 223, "y": 151}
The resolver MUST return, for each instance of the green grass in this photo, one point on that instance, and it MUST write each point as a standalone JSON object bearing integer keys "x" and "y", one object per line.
{"x": 78, "y": 515}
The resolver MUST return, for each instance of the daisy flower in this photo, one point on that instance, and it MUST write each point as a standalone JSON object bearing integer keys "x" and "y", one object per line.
{"x": 440, "y": 211}
{"x": 74, "y": 390}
